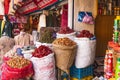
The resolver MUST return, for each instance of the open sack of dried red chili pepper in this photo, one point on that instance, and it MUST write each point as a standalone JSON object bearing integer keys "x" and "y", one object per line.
{"x": 17, "y": 68}
{"x": 66, "y": 32}
{"x": 85, "y": 55}
{"x": 65, "y": 50}
{"x": 44, "y": 63}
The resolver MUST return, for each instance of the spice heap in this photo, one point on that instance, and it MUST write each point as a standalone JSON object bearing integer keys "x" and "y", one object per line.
{"x": 47, "y": 35}
{"x": 41, "y": 51}
{"x": 85, "y": 33}
{"x": 65, "y": 30}
{"x": 18, "y": 62}
{"x": 64, "y": 42}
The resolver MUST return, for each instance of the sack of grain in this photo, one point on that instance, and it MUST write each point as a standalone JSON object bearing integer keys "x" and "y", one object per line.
{"x": 85, "y": 53}
{"x": 65, "y": 51}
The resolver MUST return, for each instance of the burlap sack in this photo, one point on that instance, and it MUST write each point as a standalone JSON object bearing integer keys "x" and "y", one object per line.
{"x": 64, "y": 56}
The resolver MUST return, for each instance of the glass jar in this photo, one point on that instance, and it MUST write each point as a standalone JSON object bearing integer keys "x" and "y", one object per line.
{"x": 115, "y": 11}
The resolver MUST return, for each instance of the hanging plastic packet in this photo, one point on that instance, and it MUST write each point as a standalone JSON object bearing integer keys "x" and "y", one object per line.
{"x": 93, "y": 38}
{"x": 86, "y": 17}
{"x": 19, "y": 52}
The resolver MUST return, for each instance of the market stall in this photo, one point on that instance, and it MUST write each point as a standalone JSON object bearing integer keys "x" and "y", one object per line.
{"x": 42, "y": 46}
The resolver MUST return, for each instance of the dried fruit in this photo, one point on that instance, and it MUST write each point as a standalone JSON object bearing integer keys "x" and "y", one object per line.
{"x": 64, "y": 41}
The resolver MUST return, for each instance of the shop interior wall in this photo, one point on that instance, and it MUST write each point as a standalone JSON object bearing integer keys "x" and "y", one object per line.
{"x": 84, "y": 5}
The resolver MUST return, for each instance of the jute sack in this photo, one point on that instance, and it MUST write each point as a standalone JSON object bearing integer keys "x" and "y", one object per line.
{"x": 64, "y": 56}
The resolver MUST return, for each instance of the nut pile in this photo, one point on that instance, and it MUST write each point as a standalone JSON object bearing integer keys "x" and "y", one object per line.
{"x": 64, "y": 42}
{"x": 18, "y": 62}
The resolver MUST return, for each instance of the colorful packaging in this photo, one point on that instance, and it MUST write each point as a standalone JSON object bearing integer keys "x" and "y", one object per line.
{"x": 117, "y": 73}
{"x": 106, "y": 61}
{"x": 108, "y": 65}
{"x": 117, "y": 22}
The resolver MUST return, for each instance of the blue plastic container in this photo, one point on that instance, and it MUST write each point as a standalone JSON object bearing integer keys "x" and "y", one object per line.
{"x": 81, "y": 72}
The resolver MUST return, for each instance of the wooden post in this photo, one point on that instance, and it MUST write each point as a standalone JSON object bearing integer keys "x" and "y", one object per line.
{"x": 70, "y": 14}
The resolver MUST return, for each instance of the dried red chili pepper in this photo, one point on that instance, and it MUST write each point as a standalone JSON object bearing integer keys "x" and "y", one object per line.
{"x": 41, "y": 51}
{"x": 65, "y": 30}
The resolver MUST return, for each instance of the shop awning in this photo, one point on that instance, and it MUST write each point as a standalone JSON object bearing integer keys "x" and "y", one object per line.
{"x": 31, "y": 6}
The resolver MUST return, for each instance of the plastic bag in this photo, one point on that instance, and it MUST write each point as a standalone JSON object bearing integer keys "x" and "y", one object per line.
{"x": 9, "y": 73}
{"x": 86, "y": 17}
{"x": 44, "y": 67}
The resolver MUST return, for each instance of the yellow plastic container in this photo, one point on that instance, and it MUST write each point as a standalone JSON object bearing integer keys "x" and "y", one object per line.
{"x": 112, "y": 79}
{"x": 85, "y": 78}
{"x": 117, "y": 17}
{"x": 116, "y": 22}
{"x": 74, "y": 79}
